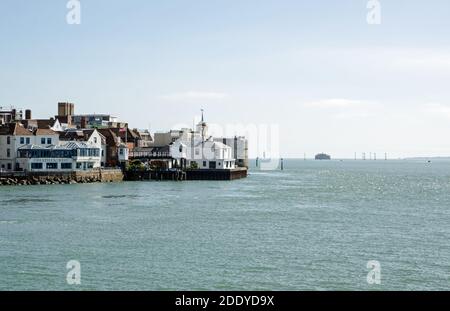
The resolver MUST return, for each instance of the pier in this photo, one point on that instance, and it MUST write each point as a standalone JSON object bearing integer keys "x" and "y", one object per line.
{"x": 159, "y": 175}
{"x": 232, "y": 174}
{"x": 180, "y": 175}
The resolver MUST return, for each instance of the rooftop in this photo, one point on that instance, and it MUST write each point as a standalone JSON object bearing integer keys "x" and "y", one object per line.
{"x": 68, "y": 146}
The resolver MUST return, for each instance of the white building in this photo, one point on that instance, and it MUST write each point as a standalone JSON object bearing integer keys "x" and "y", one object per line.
{"x": 67, "y": 157}
{"x": 239, "y": 149}
{"x": 200, "y": 150}
{"x": 207, "y": 154}
{"x": 15, "y": 135}
{"x": 90, "y": 136}
{"x": 123, "y": 152}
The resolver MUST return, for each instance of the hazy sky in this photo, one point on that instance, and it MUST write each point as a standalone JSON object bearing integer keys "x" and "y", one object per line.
{"x": 330, "y": 81}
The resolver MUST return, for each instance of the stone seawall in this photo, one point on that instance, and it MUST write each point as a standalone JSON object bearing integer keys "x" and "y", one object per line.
{"x": 83, "y": 177}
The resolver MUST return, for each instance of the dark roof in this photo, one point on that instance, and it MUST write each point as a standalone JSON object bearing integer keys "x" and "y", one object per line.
{"x": 18, "y": 129}
{"x": 39, "y": 123}
{"x": 79, "y": 135}
{"x": 130, "y": 135}
{"x": 72, "y": 135}
{"x": 138, "y": 134}
{"x": 40, "y": 131}
{"x": 15, "y": 129}
{"x": 110, "y": 136}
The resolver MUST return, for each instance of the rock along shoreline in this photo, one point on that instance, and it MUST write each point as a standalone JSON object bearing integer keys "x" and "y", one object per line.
{"x": 85, "y": 177}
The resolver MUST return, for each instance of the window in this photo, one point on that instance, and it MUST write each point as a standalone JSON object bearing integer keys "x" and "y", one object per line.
{"x": 49, "y": 141}
{"x": 8, "y": 140}
{"x": 8, "y": 153}
{"x": 52, "y": 166}
{"x": 121, "y": 151}
{"x": 22, "y": 140}
{"x": 95, "y": 140}
{"x": 78, "y": 165}
{"x": 66, "y": 166}
{"x": 9, "y": 166}
{"x": 212, "y": 164}
{"x": 42, "y": 141}
{"x": 204, "y": 163}
{"x": 28, "y": 140}
{"x": 36, "y": 166}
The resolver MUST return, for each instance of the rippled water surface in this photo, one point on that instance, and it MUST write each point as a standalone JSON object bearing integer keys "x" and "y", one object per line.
{"x": 313, "y": 226}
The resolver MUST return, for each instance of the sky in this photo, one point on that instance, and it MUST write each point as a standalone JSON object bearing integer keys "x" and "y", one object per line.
{"x": 313, "y": 75}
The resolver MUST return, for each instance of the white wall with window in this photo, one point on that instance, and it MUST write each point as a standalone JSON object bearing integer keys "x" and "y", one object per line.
{"x": 68, "y": 157}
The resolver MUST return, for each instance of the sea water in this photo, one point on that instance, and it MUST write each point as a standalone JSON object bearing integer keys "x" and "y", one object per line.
{"x": 313, "y": 226}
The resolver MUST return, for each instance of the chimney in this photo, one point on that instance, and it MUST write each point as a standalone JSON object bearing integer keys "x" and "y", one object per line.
{"x": 28, "y": 114}
{"x": 13, "y": 115}
{"x": 83, "y": 122}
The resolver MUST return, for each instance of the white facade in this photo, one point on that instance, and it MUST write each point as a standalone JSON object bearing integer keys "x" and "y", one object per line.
{"x": 10, "y": 142}
{"x": 239, "y": 149}
{"x": 95, "y": 139}
{"x": 71, "y": 156}
{"x": 7, "y": 153}
{"x": 197, "y": 148}
{"x": 123, "y": 153}
{"x": 57, "y": 127}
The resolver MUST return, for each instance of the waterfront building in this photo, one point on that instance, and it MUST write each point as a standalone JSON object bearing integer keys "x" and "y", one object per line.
{"x": 200, "y": 150}
{"x": 188, "y": 148}
{"x": 66, "y": 157}
{"x": 123, "y": 153}
{"x": 206, "y": 154}
{"x": 90, "y": 136}
{"x": 239, "y": 149}
{"x": 15, "y": 135}
{"x": 118, "y": 143}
